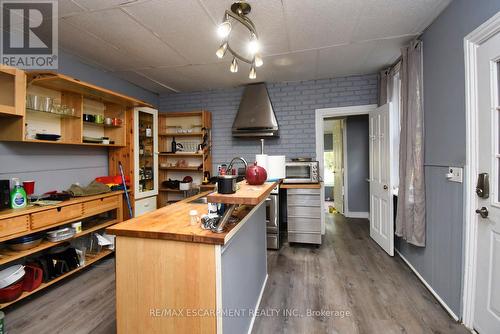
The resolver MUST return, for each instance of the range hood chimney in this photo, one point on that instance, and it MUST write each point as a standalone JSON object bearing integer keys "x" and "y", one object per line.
{"x": 255, "y": 117}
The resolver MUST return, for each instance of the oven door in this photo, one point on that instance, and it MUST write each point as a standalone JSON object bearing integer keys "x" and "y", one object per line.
{"x": 298, "y": 173}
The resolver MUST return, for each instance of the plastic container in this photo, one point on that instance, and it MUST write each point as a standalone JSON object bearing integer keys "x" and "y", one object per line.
{"x": 18, "y": 198}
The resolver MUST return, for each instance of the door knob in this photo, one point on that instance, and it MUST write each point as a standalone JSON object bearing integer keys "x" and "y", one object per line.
{"x": 483, "y": 212}
{"x": 386, "y": 187}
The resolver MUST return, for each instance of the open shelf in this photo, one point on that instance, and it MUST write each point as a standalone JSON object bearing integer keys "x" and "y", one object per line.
{"x": 89, "y": 259}
{"x": 64, "y": 143}
{"x": 191, "y": 134}
{"x": 194, "y": 169}
{"x": 49, "y": 113}
{"x": 180, "y": 154}
{"x": 167, "y": 190}
{"x": 101, "y": 125}
{"x": 8, "y": 255}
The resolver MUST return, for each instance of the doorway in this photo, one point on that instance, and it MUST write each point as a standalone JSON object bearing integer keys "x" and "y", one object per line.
{"x": 481, "y": 297}
{"x": 334, "y": 132}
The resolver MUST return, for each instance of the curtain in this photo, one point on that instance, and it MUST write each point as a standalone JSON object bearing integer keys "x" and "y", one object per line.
{"x": 383, "y": 87}
{"x": 410, "y": 219}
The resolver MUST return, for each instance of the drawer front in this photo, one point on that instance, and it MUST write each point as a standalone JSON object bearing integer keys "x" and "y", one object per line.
{"x": 304, "y": 224}
{"x": 100, "y": 205}
{"x": 145, "y": 205}
{"x": 14, "y": 225}
{"x": 304, "y": 200}
{"x": 54, "y": 216}
{"x": 304, "y": 211}
{"x": 307, "y": 238}
{"x": 272, "y": 241}
{"x": 303, "y": 191}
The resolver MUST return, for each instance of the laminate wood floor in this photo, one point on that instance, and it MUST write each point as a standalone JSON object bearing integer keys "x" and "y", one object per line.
{"x": 348, "y": 273}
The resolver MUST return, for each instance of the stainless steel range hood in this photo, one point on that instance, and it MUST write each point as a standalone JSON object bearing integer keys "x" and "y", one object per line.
{"x": 255, "y": 117}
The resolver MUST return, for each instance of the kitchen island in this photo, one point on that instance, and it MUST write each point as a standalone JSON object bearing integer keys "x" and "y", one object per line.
{"x": 172, "y": 277}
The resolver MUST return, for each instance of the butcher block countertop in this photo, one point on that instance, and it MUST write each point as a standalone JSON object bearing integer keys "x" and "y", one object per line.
{"x": 172, "y": 222}
{"x": 246, "y": 194}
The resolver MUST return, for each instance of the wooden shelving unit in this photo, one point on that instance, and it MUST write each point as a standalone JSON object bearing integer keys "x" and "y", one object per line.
{"x": 89, "y": 260}
{"x": 21, "y": 222}
{"x": 176, "y": 125}
{"x": 83, "y": 98}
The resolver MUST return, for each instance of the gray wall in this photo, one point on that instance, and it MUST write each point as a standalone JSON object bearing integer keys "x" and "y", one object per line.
{"x": 440, "y": 262}
{"x": 358, "y": 163}
{"x": 57, "y": 166}
{"x": 294, "y": 104}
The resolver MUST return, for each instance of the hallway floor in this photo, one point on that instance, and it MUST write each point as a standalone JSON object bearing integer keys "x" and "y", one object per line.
{"x": 348, "y": 273}
{"x": 349, "y": 276}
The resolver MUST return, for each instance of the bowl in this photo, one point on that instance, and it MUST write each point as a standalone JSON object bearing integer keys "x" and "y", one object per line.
{"x": 11, "y": 275}
{"x": 11, "y": 292}
{"x": 21, "y": 246}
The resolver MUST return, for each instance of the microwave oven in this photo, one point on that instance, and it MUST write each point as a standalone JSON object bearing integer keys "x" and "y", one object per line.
{"x": 301, "y": 172}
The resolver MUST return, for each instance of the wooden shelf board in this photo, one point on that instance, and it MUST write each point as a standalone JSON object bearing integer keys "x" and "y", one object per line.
{"x": 181, "y": 154}
{"x": 66, "y": 143}
{"x": 9, "y": 110}
{"x": 51, "y": 113}
{"x": 172, "y": 190}
{"x": 101, "y": 125}
{"x": 61, "y": 82}
{"x": 182, "y": 114}
{"x": 192, "y": 134}
{"x": 8, "y": 255}
{"x": 192, "y": 169}
{"x": 89, "y": 260}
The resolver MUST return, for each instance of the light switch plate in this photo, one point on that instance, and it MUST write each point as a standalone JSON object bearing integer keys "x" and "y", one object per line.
{"x": 455, "y": 174}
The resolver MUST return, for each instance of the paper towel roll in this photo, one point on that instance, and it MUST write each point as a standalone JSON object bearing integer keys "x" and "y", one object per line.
{"x": 275, "y": 167}
{"x": 261, "y": 160}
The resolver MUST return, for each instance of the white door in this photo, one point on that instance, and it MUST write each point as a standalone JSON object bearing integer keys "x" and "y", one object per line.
{"x": 381, "y": 204}
{"x": 338, "y": 166}
{"x": 487, "y": 300}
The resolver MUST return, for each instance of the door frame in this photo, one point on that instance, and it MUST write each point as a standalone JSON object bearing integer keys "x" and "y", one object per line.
{"x": 320, "y": 115}
{"x": 471, "y": 43}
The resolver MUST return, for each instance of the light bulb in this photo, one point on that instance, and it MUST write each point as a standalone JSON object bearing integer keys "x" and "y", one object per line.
{"x": 253, "y": 73}
{"x": 234, "y": 66}
{"x": 224, "y": 29}
{"x": 258, "y": 60}
{"x": 221, "y": 51}
{"x": 253, "y": 45}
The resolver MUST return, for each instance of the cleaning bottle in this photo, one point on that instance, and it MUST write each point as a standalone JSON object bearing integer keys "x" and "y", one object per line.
{"x": 18, "y": 198}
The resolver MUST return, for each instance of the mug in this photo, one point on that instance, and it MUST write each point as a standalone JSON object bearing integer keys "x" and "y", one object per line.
{"x": 88, "y": 118}
{"x": 117, "y": 121}
{"x": 108, "y": 121}
{"x": 99, "y": 119}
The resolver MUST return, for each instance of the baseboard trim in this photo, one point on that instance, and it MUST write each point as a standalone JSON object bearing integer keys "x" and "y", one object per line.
{"x": 427, "y": 285}
{"x": 358, "y": 214}
{"x": 258, "y": 304}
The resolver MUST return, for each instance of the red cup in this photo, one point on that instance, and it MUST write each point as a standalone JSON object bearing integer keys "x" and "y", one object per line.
{"x": 29, "y": 187}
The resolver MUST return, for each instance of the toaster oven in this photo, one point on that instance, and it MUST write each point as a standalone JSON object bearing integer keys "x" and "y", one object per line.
{"x": 301, "y": 172}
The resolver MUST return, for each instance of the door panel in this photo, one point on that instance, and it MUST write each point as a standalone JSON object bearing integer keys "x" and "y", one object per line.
{"x": 487, "y": 297}
{"x": 381, "y": 205}
{"x": 338, "y": 165}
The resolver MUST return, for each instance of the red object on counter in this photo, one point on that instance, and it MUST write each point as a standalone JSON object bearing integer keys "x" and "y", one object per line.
{"x": 32, "y": 278}
{"x": 12, "y": 292}
{"x": 256, "y": 175}
{"x": 113, "y": 179}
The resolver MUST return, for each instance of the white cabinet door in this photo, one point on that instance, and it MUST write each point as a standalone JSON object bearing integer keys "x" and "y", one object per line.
{"x": 487, "y": 305}
{"x": 145, "y": 152}
{"x": 381, "y": 204}
{"x": 145, "y": 205}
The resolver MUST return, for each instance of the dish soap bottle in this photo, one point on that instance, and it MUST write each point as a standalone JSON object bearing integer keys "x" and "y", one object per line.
{"x": 18, "y": 198}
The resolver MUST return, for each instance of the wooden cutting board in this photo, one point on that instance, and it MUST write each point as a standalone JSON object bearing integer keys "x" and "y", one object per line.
{"x": 246, "y": 194}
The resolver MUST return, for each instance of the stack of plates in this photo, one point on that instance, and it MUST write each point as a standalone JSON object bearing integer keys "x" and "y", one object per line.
{"x": 11, "y": 275}
{"x": 60, "y": 234}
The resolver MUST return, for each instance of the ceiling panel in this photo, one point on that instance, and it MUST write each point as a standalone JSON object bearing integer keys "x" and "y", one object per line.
{"x": 89, "y": 47}
{"x": 269, "y": 20}
{"x": 143, "y": 81}
{"x": 289, "y": 67}
{"x": 323, "y": 24}
{"x": 188, "y": 29}
{"x": 117, "y": 28}
{"x": 100, "y": 4}
{"x": 68, "y": 7}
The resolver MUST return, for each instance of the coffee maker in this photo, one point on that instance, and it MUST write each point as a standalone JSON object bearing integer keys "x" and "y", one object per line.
{"x": 4, "y": 194}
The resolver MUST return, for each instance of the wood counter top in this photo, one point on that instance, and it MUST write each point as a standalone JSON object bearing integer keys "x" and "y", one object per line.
{"x": 246, "y": 194}
{"x": 172, "y": 222}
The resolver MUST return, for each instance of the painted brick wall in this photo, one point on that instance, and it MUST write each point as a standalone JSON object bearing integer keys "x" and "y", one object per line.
{"x": 294, "y": 104}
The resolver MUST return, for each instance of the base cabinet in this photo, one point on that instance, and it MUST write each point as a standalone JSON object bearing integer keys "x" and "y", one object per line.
{"x": 304, "y": 215}
{"x": 145, "y": 205}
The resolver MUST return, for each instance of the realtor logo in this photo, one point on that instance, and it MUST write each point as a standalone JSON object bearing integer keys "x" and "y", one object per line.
{"x": 29, "y": 34}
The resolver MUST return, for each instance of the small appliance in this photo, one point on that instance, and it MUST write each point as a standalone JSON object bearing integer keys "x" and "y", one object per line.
{"x": 4, "y": 194}
{"x": 302, "y": 172}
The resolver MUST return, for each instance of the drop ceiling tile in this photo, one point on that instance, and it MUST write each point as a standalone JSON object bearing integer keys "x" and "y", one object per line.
{"x": 68, "y": 7}
{"x": 87, "y": 46}
{"x": 323, "y": 24}
{"x": 118, "y": 29}
{"x": 199, "y": 77}
{"x": 289, "y": 67}
{"x": 345, "y": 60}
{"x": 183, "y": 24}
{"x": 143, "y": 81}
{"x": 100, "y": 4}
{"x": 269, "y": 20}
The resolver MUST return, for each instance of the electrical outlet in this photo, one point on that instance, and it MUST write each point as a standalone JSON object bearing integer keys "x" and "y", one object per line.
{"x": 455, "y": 174}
